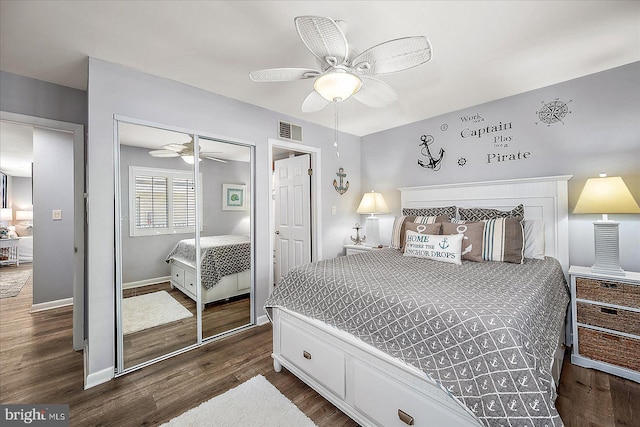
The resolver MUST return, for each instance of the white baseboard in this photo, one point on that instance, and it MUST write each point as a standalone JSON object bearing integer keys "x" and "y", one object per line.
{"x": 98, "y": 378}
{"x": 49, "y": 305}
{"x": 146, "y": 282}
{"x": 261, "y": 320}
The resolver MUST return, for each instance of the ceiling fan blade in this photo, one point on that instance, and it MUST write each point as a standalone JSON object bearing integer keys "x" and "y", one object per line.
{"x": 324, "y": 38}
{"x": 178, "y": 148}
{"x": 283, "y": 74}
{"x": 393, "y": 55}
{"x": 164, "y": 153}
{"x": 313, "y": 102}
{"x": 215, "y": 159}
{"x": 375, "y": 93}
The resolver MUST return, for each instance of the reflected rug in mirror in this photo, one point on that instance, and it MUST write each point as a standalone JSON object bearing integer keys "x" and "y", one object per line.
{"x": 150, "y": 310}
{"x": 12, "y": 281}
{"x": 254, "y": 403}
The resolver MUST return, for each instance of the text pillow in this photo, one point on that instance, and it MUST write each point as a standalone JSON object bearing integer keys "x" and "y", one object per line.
{"x": 435, "y": 247}
{"x": 422, "y": 229}
{"x": 472, "y": 240}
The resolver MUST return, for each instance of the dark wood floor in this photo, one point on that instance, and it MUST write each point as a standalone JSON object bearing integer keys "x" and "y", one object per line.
{"x": 217, "y": 318}
{"x": 38, "y": 365}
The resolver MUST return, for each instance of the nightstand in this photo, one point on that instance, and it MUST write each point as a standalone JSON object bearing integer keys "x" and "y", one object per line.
{"x": 356, "y": 249}
{"x": 9, "y": 251}
{"x": 606, "y": 322}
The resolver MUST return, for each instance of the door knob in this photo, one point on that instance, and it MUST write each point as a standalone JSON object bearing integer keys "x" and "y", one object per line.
{"x": 277, "y": 232}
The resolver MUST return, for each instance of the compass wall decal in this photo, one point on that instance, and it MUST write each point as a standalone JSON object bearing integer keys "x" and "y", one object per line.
{"x": 553, "y": 112}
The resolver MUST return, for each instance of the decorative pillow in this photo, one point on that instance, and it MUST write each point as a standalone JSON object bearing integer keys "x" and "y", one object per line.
{"x": 438, "y": 248}
{"x": 422, "y": 229}
{"x": 24, "y": 230}
{"x": 472, "y": 241}
{"x": 533, "y": 238}
{"x": 503, "y": 240}
{"x": 449, "y": 211}
{"x": 397, "y": 234}
{"x": 481, "y": 214}
{"x": 431, "y": 219}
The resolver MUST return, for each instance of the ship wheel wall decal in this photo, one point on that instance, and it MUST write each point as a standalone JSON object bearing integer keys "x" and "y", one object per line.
{"x": 342, "y": 187}
{"x": 431, "y": 162}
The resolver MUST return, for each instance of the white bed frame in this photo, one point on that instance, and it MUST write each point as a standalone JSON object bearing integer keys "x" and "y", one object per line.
{"x": 183, "y": 278}
{"x": 374, "y": 388}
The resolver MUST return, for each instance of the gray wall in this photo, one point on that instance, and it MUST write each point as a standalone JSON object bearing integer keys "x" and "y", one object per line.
{"x": 143, "y": 257}
{"x": 115, "y": 89}
{"x": 53, "y": 240}
{"x": 37, "y": 98}
{"x": 599, "y": 134}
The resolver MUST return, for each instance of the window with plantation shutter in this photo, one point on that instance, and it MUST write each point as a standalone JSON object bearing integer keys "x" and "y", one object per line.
{"x": 161, "y": 201}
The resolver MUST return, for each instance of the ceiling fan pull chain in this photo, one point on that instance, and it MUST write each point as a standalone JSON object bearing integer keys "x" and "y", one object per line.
{"x": 335, "y": 144}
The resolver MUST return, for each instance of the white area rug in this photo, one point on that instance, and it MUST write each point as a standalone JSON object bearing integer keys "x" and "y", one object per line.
{"x": 12, "y": 281}
{"x": 149, "y": 310}
{"x": 254, "y": 403}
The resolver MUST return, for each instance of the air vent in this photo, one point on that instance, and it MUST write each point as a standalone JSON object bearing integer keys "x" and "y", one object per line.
{"x": 289, "y": 131}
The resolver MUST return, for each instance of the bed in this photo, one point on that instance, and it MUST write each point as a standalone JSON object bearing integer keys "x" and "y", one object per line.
{"x": 394, "y": 340}
{"x": 225, "y": 267}
{"x": 25, "y": 249}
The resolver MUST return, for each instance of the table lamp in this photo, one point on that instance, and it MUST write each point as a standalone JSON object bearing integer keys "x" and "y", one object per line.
{"x": 606, "y": 195}
{"x": 24, "y": 216}
{"x": 373, "y": 203}
{"x": 6, "y": 214}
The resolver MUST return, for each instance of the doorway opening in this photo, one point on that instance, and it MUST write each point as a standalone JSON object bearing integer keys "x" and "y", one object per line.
{"x": 279, "y": 150}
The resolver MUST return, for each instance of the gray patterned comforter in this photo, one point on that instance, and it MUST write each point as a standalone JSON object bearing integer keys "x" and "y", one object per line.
{"x": 220, "y": 256}
{"x": 483, "y": 331}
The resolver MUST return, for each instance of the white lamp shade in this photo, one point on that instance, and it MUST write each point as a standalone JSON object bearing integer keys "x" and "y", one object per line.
{"x": 607, "y": 195}
{"x": 24, "y": 215}
{"x": 372, "y": 203}
{"x": 6, "y": 214}
{"x": 337, "y": 85}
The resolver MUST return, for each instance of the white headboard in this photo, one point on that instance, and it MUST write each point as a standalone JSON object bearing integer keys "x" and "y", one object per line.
{"x": 544, "y": 198}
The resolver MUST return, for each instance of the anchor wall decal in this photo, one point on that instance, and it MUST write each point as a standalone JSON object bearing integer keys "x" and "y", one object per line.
{"x": 433, "y": 163}
{"x": 343, "y": 187}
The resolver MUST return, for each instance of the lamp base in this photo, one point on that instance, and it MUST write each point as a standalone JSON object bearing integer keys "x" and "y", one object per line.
{"x": 607, "y": 255}
{"x": 373, "y": 231}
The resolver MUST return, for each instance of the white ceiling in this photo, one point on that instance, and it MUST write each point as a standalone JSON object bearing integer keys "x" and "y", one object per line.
{"x": 16, "y": 149}
{"x": 483, "y": 50}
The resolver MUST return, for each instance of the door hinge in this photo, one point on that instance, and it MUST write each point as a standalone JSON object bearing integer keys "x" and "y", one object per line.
{"x": 310, "y": 171}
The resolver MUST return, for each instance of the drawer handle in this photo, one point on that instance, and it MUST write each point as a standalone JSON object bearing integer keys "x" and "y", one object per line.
{"x": 405, "y": 418}
{"x": 608, "y": 310}
{"x": 610, "y": 337}
{"x": 608, "y": 285}
{"x": 306, "y": 355}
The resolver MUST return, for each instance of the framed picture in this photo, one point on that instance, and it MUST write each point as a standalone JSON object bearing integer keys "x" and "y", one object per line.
{"x": 233, "y": 197}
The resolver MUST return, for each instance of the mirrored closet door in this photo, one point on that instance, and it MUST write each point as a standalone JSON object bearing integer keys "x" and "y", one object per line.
{"x": 184, "y": 246}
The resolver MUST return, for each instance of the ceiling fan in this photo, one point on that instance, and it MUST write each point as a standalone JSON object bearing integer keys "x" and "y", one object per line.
{"x": 343, "y": 72}
{"x": 185, "y": 151}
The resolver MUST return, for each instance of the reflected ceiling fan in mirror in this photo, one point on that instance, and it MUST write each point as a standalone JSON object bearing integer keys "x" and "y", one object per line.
{"x": 343, "y": 72}
{"x": 185, "y": 151}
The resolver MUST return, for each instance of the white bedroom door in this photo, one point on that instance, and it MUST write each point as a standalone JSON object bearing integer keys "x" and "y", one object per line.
{"x": 292, "y": 213}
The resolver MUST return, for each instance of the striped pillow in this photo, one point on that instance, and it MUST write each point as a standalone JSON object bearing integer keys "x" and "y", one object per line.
{"x": 398, "y": 233}
{"x": 431, "y": 219}
{"x": 503, "y": 240}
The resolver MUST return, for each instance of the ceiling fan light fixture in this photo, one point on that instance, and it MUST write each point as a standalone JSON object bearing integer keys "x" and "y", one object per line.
{"x": 337, "y": 85}
{"x": 189, "y": 159}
